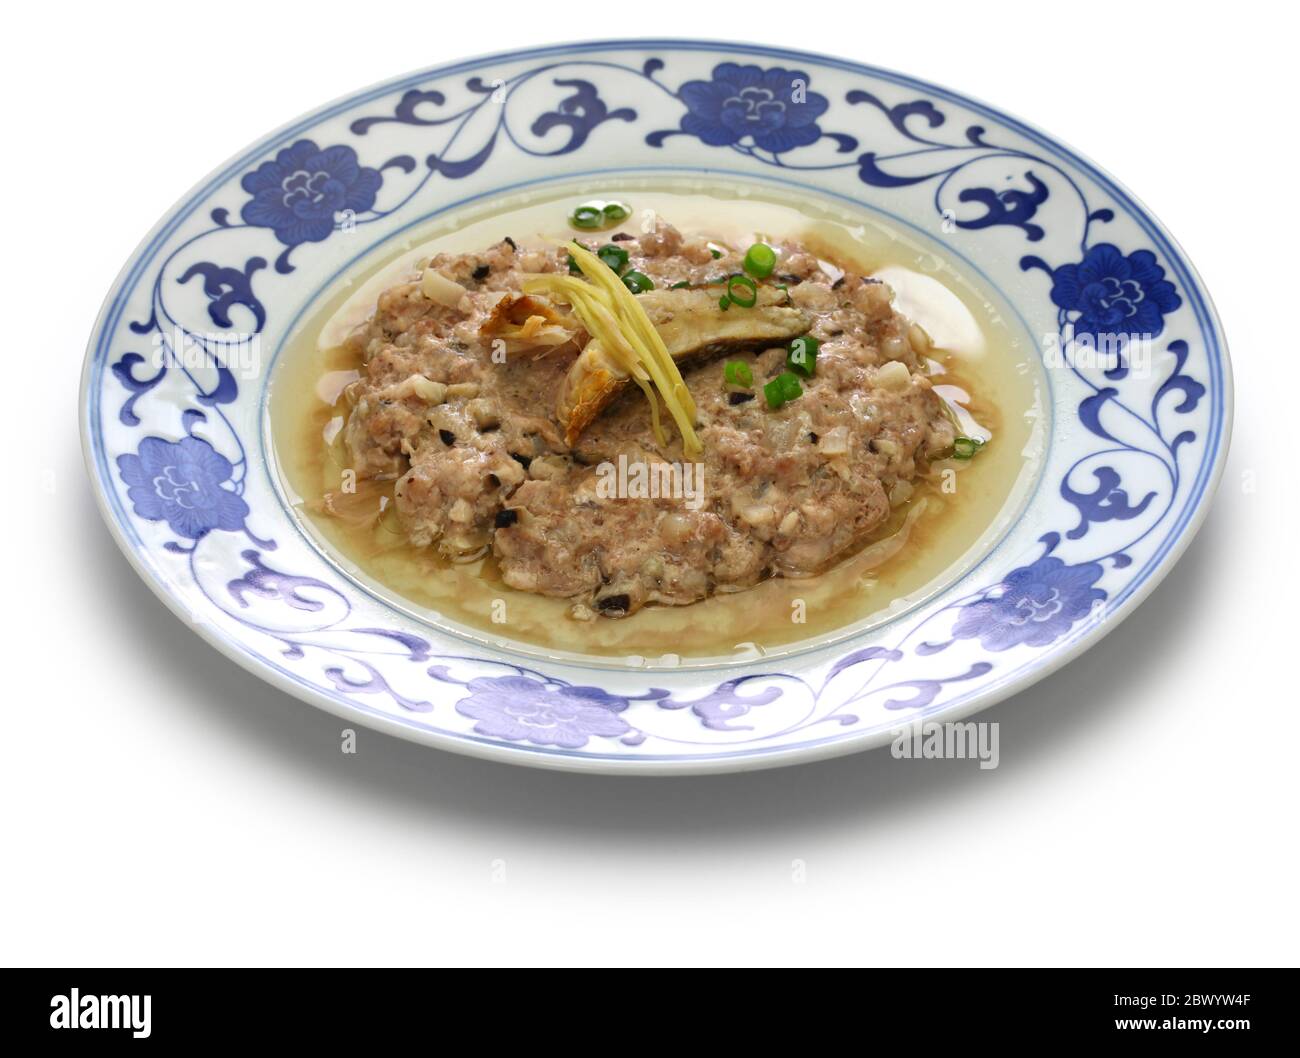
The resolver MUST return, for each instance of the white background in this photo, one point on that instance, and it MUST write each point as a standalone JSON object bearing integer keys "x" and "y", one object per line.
{"x": 160, "y": 805}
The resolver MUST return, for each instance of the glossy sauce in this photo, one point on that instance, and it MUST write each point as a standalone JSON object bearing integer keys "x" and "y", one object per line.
{"x": 988, "y": 366}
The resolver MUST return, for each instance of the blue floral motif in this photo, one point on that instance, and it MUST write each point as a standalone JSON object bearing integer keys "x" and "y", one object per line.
{"x": 1115, "y": 296}
{"x": 518, "y": 708}
{"x": 227, "y": 287}
{"x": 580, "y": 114}
{"x": 1035, "y": 605}
{"x": 772, "y": 107}
{"x": 298, "y": 194}
{"x": 1108, "y": 502}
{"x": 181, "y": 483}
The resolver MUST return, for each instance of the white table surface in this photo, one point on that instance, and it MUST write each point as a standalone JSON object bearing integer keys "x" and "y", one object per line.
{"x": 161, "y": 805}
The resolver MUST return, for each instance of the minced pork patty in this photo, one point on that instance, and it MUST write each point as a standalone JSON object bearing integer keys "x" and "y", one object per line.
{"x": 480, "y": 460}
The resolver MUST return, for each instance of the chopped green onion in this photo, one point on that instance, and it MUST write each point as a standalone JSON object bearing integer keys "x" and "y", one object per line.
{"x": 802, "y": 357}
{"x": 614, "y": 256}
{"x": 747, "y": 297}
{"x": 737, "y": 373}
{"x": 596, "y": 215}
{"x": 760, "y": 260}
{"x": 588, "y": 218}
{"x": 638, "y": 282}
{"x": 966, "y": 447}
{"x": 574, "y": 270}
{"x": 724, "y": 303}
{"x": 680, "y": 286}
{"x": 785, "y": 387}
{"x": 716, "y": 253}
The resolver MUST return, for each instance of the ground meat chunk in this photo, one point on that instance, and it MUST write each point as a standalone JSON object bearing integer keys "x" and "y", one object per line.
{"x": 481, "y": 463}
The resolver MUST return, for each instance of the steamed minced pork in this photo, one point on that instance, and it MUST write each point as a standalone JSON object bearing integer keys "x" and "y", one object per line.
{"x": 488, "y": 399}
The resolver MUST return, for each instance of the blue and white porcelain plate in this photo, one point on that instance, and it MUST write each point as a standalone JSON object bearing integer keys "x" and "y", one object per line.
{"x": 174, "y": 431}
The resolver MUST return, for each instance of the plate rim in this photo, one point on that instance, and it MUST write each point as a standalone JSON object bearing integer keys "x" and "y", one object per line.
{"x": 744, "y": 760}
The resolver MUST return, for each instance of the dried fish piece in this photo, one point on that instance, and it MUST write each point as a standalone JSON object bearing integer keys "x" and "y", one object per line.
{"x": 528, "y": 324}
{"x": 692, "y": 325}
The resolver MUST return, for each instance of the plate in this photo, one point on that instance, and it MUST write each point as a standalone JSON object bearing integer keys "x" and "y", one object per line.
{"x": 174, "y": 395}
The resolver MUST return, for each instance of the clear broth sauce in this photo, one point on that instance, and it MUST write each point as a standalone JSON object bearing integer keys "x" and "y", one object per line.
{"x": 989, "y": 366}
